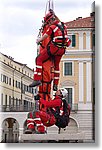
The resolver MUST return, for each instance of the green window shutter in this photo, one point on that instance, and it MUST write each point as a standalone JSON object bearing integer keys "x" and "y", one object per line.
{"x": 73, "y": 40}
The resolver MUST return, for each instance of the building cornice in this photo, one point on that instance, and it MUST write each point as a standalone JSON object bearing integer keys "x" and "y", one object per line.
{"x": 78, "y": 52}
{"x": 77, "y": 59}
{"x": 80, "y": 29}
{"x": 10, "y": 68}
{"x": 15, "y": 62}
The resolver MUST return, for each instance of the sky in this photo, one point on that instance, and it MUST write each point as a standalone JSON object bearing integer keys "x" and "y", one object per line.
{"x": 20, "y": 21}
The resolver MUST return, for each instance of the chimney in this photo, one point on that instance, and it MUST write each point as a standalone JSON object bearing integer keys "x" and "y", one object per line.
{"x": 78, "y": 18}
{"x": 92, "y": 14}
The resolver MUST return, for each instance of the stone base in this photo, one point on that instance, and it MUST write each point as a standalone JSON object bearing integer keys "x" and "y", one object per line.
{"x": 54, "y": 137}
{"x": 86, "y": 107}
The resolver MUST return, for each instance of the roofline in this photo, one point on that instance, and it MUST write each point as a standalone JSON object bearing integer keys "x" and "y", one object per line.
{"x": 21, "y": 64}
{"x": 78, "y": 19}
{"x": 78, "y": 27}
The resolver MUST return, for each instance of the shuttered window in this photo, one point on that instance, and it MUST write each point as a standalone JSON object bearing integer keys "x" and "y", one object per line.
{"x": 73, "y": 40}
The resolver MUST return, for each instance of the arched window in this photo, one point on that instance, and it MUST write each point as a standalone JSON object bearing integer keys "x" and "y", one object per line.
{"x": 84, "y": 40}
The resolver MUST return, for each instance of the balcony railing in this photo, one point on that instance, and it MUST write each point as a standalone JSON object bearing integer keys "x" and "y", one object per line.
{"x": 7, "y": 108}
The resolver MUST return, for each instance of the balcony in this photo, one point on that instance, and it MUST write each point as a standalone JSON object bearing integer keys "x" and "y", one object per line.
{"x": 25, "y": 108}
{"x": 7, "y": 108}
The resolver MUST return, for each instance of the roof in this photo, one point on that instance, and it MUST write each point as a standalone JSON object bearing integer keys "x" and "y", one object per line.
{"x": 19, "y": 63}
{"x": 80, "y": 22}
{"x": 11, "y": 58}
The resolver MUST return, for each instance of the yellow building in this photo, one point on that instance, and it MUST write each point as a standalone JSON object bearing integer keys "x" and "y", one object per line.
{"x": 77, "y": 63}
{"x": 77, "y": 71}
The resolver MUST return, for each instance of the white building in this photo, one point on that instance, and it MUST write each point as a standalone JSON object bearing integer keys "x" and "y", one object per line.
{"x": 16, "y": 97}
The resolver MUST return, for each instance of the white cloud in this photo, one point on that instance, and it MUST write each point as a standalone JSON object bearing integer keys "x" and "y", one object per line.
{"x": 24, "y": 50}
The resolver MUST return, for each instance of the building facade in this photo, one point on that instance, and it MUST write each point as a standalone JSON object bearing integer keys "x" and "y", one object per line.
{"x": 16, "y": 97}
{"x": 77, "y": 73}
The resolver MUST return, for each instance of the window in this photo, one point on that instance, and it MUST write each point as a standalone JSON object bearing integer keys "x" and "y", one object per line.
{"x": 32, "y": 91}
{"x": 17, "y": 84}
{"x": 17, "y": 104}
{"x": 1, "y": 77}
{"x": 70, "y": 95}
{"x": 10, "y": 100}
{"x": 84, "y": 40}
{"x": 69, "y": 98}
{"x": 93, "y": 40}
{"x": 26, "y": 105}
{"x": 19, "y": 101}
{"x": 67, "y": 68}
{"x": 13, "y": 101}
{"x": 9, "y": 81}
{"x": 4, "y": 79}
{"x": 23, "y": 87}
{"x": 73, "y": 40}
{"x": 5, "y": 100}
{"x": 27, "y": 88}
{"x": 2, "y": 99}
{"x": 13, "y": 82}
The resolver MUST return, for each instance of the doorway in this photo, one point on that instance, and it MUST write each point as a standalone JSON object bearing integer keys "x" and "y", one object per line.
{"x": 10, "y": 132}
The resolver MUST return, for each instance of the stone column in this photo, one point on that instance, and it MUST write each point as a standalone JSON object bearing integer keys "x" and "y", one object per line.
{"x": 81, "y": 40}
{"x": 81, "y": 82}
{"x": 20, "y": 134}
{"x": 88, "y": 42}
{"x": 88, "y": 81}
